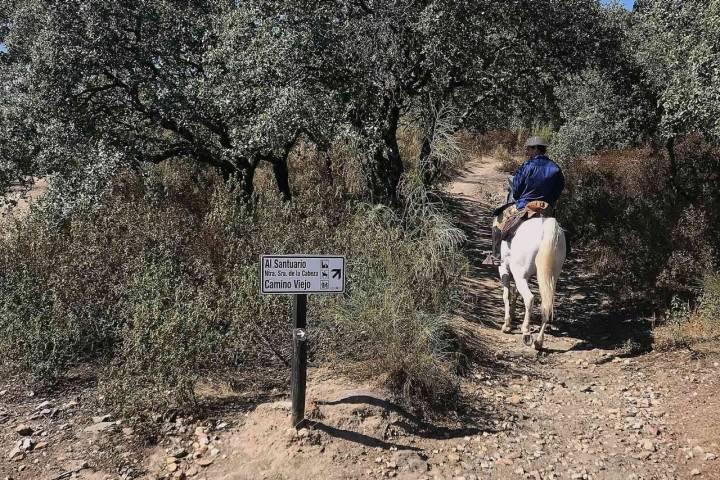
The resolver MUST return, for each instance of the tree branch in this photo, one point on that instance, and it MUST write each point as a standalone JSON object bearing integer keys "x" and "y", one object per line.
{"x": 92, "y": 91}
{"x": 174, "y": 151}
{"x": 202, "y": 152}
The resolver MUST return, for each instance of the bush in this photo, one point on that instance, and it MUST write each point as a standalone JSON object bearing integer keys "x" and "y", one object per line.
{"x": 624, "y": 205}
{"x": 508, "y": 163}
{"x": 156, "y": 283}
{"x": 387, "y": 324}
{"x": 685, "y": 327}
{"x": 596, "y": 117}
{"x": 494, "y": 139}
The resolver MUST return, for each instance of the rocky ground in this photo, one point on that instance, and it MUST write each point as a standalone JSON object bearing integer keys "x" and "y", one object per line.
{"x": 597, "y": 404}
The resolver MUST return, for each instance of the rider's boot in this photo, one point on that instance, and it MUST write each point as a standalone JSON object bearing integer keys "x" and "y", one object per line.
{"x": 494, "y": 257}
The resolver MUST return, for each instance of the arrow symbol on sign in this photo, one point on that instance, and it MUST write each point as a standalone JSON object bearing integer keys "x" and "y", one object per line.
{"x": 337, "y": 273}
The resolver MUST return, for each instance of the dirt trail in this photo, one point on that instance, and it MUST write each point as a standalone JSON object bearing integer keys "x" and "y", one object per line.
{"x": 595, "y": 405}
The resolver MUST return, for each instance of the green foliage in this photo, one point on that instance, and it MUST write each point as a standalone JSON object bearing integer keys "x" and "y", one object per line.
{"x": 649, "y": 213}
{"x": 233, "y": 84}
{"x": 596, "y": 117}
{"x": 677, "y": 45}
{"x": 609, "y": 105}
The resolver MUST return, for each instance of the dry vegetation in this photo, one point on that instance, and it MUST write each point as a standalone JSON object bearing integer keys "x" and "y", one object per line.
{"x": 650, "y": 226}
{"x": 624, "y": 205}
{"x": 693, "y": 328}
{"x": 158, "y": 279}
{"x": 157, "y": 275}
{"x": 508, "y": 163}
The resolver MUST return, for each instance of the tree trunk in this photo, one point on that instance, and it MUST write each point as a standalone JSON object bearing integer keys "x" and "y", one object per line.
{"x": 677, "y": 188}
{"x": 279, "y": 160}
{"x": 326, "y": 165}
{"x": 247, "y": 178}
{"x": 245, "y": 174}
{"x": 227, "y": 171}
{"x": 428, "y": 170}
{"x": 282, "y": 177}
{"x": 387, "y": 167}
{"x": 670, "y": 146}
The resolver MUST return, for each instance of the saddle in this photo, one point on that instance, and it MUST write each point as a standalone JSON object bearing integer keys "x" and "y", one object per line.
{"x": 531, "y": 210}
{"x": 538, "y": 207}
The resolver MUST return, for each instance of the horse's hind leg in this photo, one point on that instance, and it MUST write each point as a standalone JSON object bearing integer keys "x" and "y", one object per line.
{"x": 547, "y": 318}
{"x": 507, "y": 298}
{"x": 524, "y": 289}
{"x": 507, "y": 326}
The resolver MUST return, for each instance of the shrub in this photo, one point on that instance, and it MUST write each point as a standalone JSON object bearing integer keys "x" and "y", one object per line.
{"x": 387, "y": 324}
{"x": 156, "y": 283}
{"x": 625, "y": 206}
{"x": 685, "y": 327}
{"x": 508, "y": 163}
{"x": 596, "y": 117}
{"x": 493, "y": 139}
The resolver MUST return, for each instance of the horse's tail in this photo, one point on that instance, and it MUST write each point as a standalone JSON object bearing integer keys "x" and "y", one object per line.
{"x": 545, "y": 262}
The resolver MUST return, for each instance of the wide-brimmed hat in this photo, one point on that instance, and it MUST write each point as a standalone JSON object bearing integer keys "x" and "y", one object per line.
{"x": 535, "y": 142}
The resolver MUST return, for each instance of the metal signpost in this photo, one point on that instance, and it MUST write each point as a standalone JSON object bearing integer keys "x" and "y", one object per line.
{"x": 299, "y": 275}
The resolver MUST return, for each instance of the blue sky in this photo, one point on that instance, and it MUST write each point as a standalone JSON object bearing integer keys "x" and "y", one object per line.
{"x": 627, "y": 3}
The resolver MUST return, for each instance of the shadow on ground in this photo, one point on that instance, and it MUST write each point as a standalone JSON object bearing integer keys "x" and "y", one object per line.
{"x": 481, "y": 303}
{"x": 408, "y": 422}
{"x": 359, "y": 438}
{"x": 401, "y": 421}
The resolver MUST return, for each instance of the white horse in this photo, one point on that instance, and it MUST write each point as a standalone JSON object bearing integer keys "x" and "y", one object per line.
{"x": 538, "y": 247}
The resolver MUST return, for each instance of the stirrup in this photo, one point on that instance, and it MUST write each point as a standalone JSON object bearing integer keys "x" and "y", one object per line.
{"x": 491, "y": 260}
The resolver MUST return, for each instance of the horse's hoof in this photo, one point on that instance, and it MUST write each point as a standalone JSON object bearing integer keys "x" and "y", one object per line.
{"x": 538, "y": 345}
{"x": 506, "y": 329}
{"x": 528, "y": 339}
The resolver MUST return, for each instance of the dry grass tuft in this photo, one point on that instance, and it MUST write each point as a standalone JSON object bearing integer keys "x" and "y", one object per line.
{"x": 508, "y": 163}
{"x": 688, "y": 328}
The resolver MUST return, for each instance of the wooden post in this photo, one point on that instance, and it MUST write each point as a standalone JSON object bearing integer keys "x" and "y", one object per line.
{"x": 299, "y": 360}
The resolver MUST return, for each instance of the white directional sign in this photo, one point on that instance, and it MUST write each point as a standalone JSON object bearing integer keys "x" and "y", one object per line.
{"x": 283, "y": 274}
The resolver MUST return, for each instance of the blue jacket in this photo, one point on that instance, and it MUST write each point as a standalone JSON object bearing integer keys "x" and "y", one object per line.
{"x": 537, "y": 179}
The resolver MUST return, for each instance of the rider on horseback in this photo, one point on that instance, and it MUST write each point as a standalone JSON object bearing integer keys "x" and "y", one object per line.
{"x": 535, "y": 189}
